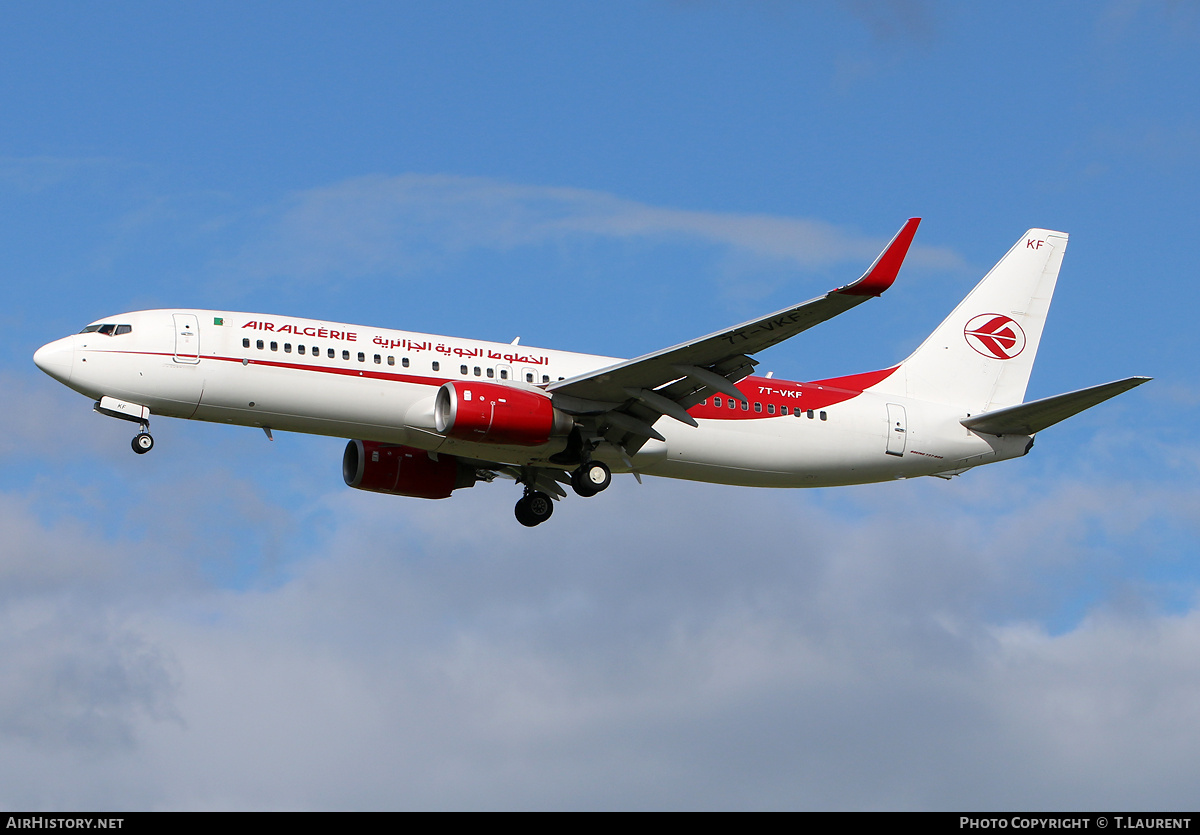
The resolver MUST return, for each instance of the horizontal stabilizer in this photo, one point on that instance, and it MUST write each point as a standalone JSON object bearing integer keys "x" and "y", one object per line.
{"x": 1028, "y": 418}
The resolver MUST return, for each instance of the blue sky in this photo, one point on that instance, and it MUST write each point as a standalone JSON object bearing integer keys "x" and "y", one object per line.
{"x": 222, "y": 624}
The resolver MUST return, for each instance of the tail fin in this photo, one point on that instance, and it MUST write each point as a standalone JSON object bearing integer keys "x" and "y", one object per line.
{"x": 980, "y": 358}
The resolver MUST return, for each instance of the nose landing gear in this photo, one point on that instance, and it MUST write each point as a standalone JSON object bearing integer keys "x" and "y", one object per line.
{"x": 135, "y": 412}
{"x": 142, "y": 441}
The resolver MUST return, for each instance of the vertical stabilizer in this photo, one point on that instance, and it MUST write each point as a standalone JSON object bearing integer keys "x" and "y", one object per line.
{"x": 981, "y": 356}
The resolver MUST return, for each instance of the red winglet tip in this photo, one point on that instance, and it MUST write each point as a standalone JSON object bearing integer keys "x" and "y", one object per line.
{"x": 883, "y": 272}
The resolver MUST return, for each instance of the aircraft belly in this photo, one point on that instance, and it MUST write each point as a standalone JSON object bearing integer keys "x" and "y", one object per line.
{"x": 309, "y": 401}
{"x": 781, "y": 452}
{"x": 850, "y": 447}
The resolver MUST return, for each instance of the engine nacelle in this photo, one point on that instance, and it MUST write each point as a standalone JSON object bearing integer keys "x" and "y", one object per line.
{"x": 403, "y": 470}
{"x": 488, "y": 413}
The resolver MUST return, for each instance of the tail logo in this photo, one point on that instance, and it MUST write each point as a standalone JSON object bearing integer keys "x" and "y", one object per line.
{"x": 996, "y": 337}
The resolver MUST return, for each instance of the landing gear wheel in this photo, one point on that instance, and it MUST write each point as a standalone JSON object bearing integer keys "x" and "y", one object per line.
{"x": 142, "y": 443}
{"x": 591, "y": 478}
{"x": 534, "y": 508}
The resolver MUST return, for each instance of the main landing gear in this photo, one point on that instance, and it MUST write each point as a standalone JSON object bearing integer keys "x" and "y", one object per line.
{"x": 591, "y": 478}
{"x": 534, "y": 508}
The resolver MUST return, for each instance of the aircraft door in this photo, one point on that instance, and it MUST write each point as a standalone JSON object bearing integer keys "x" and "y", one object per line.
{"x": 187, "y": 338}
{"x": 897, "y": 429}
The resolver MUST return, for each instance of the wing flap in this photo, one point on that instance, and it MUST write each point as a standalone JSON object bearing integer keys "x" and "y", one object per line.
{"x": 1032, "y": 417}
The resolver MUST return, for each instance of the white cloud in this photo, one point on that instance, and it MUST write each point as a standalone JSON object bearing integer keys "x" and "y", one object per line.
{"x": 661, "y": 646}
{"x": 409, "y": 222}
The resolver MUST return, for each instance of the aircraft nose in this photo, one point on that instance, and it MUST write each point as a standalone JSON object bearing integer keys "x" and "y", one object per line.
{"x": 56, "y": 358}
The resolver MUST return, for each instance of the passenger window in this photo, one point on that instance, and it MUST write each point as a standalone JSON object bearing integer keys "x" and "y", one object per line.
{"x": 758, "y": 407}
{"x": 770, "y": 408}
{"x": 404, "y": 361}
{"x": 478, "y": 372}
{"x": 745, "y": 405}
{"x": 529, "y": 378}
{"x": 717, "y": 402}
{"x": 362, "y": 357}
{"x": 491, "y": 372}
{"x": 783, "y": 410}
{"x": 274, "y": 346}
{"x": 810, "y": 414}
{"x": 824, "y": 416}
{"x": 391, "y": 360}
{"x": 462, "y": 369}
{"x": 545, "y": 378}
{"x": 437, "y": 366}
{"x": 246, "y": 343}
{"x": 299, "y": 349}
{"x": 287, "y": 347}
{"x": 331, "y": 353}
{"x": 378, "y": 359}
{"x": 345, "y": 355}
{"x": 259, "y": 346}
{"x": 503, "y": 373}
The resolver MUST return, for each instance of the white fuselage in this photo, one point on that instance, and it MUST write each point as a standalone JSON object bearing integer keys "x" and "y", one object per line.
{"x": 348, "y": 381}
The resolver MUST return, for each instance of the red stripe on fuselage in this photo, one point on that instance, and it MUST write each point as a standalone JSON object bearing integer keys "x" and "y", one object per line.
{"x": 768, "y": 391}
{"x": 295, "y": 366}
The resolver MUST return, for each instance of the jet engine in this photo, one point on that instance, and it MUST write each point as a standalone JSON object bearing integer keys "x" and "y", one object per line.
{"x": 403, "y": 470}
{"x": 494, "y": 414}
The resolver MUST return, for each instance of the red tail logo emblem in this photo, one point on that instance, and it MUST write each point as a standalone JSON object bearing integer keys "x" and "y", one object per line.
{"x": 996, "y": 337}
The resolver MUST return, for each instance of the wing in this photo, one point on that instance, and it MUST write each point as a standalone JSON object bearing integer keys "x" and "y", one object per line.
{"x": 626, "y": 399}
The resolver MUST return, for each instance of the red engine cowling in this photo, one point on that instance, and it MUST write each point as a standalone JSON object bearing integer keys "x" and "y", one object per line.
{"x": 493, "y": 414}
{"x": 403, "y": 470}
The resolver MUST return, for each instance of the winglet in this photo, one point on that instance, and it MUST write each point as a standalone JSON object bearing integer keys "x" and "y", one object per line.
{"x": 883, "y": 272}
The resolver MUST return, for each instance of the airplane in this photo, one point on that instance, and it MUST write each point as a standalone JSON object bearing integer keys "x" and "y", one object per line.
{"x": 430, "y": 414}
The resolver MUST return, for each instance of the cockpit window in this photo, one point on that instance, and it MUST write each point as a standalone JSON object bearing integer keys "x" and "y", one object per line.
{"x": 109, "y": 329}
